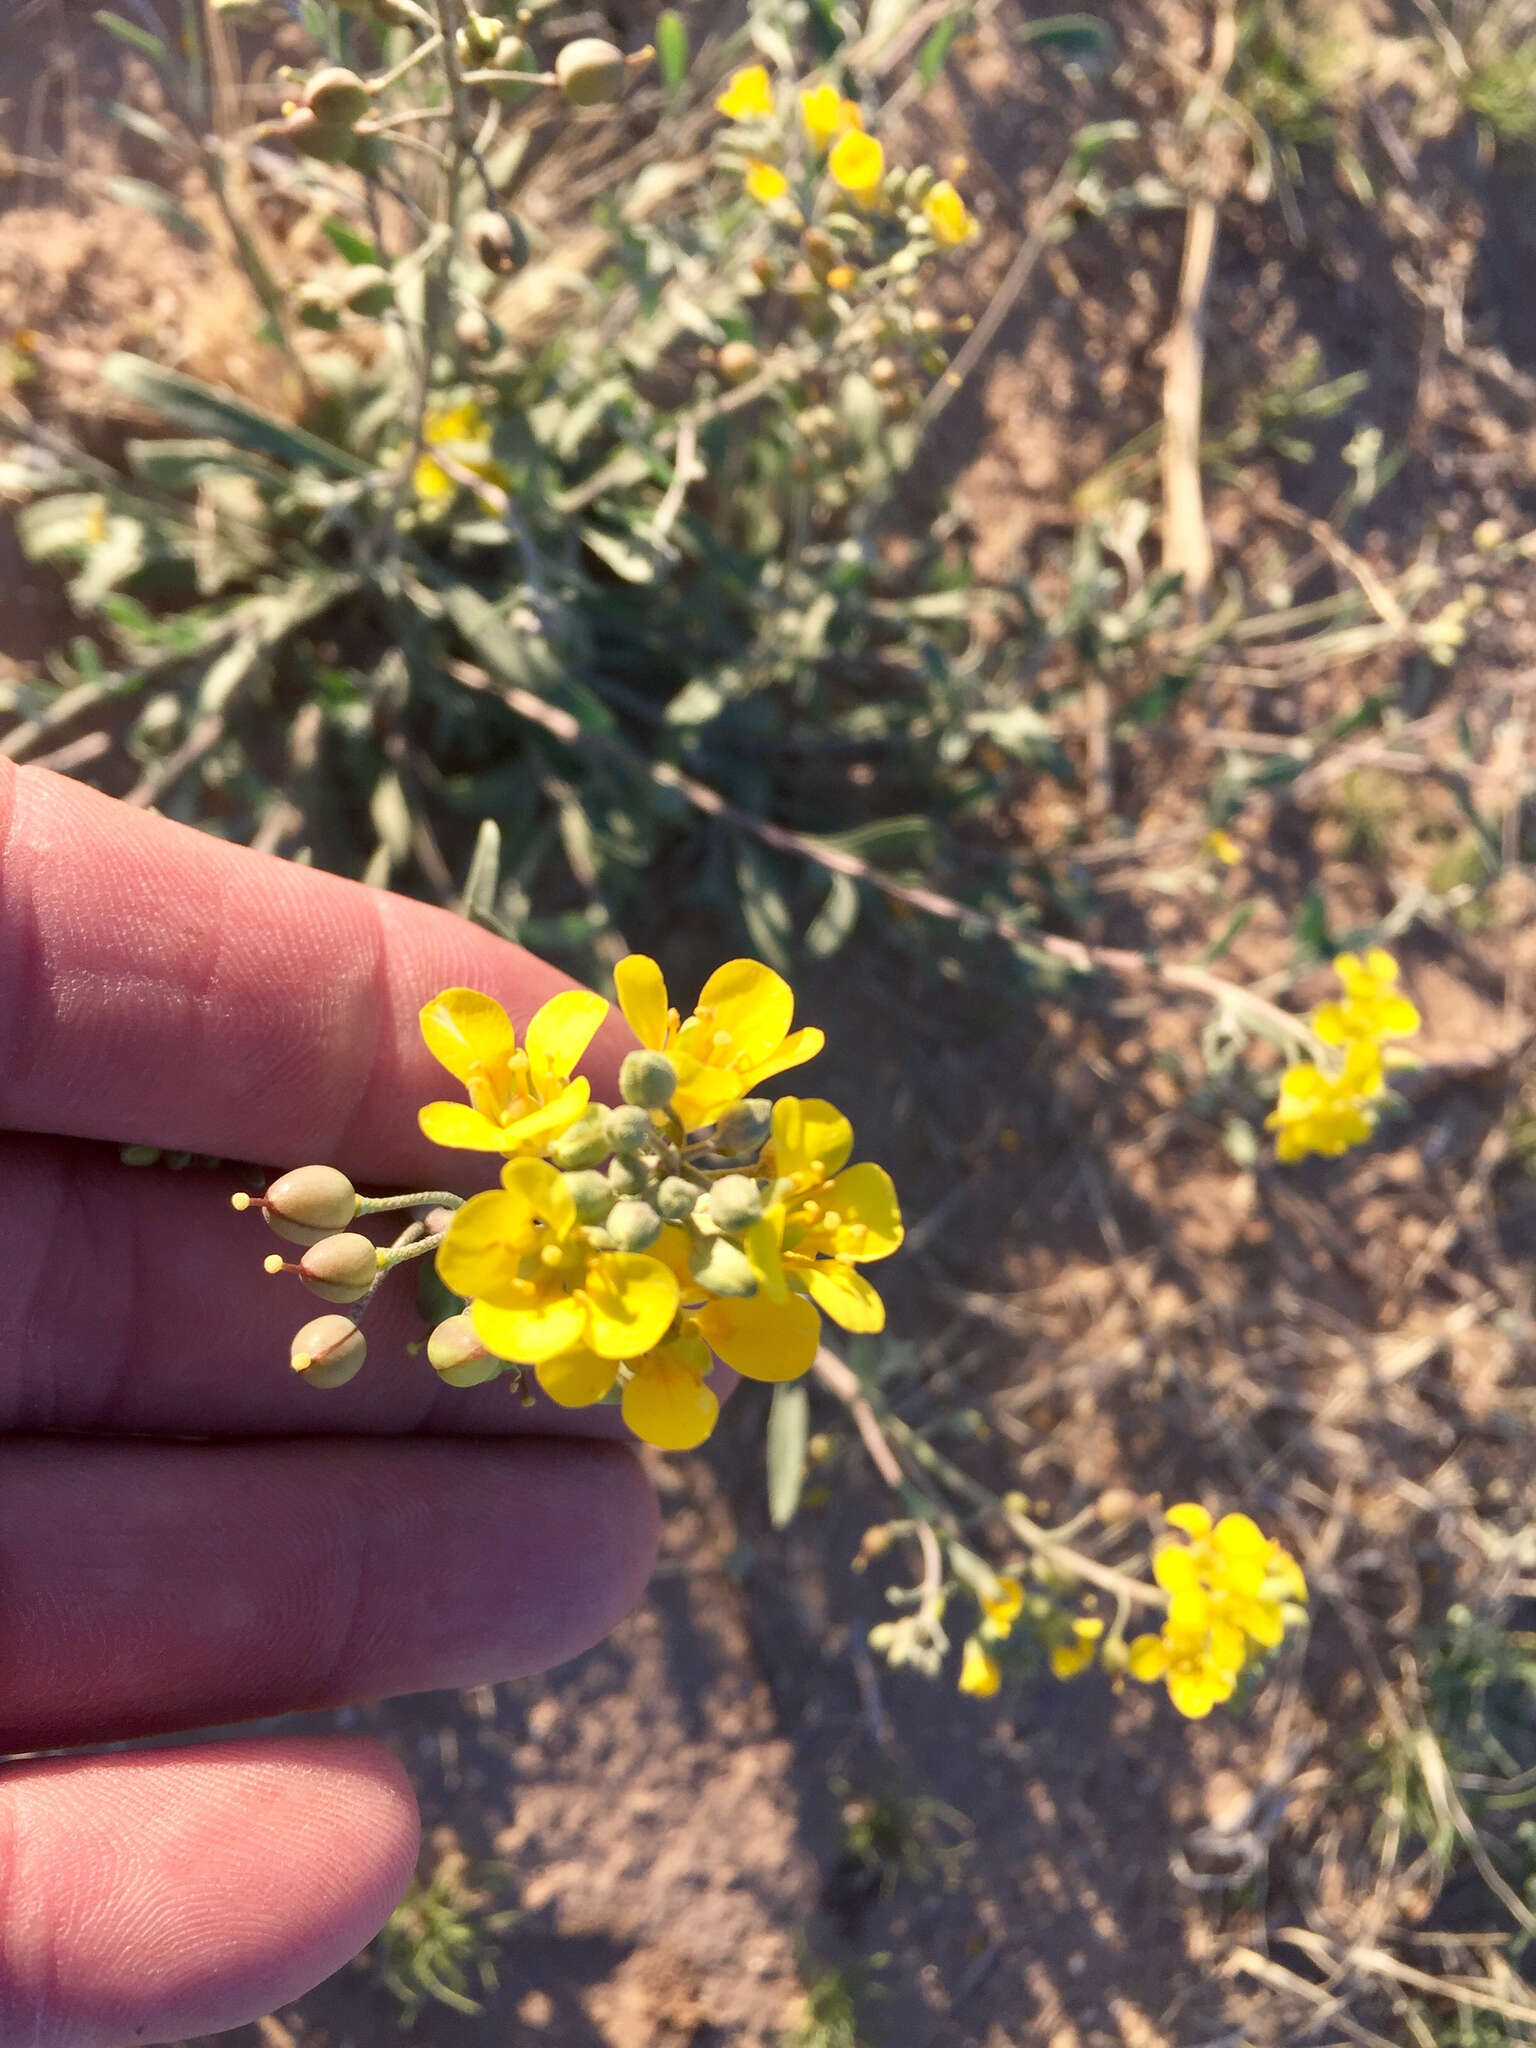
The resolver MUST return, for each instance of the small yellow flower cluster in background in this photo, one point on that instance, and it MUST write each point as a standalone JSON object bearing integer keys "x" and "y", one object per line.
{"x": 626, "y": 1247}
{"x": 1327, "y": 1108}
{"x": 1231, "y": 1593}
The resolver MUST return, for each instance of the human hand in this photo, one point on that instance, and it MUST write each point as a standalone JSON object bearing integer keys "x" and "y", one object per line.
{"x": 188, "y": 1534}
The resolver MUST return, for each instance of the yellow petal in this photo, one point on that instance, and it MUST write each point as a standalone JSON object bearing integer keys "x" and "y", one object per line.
{"x": 464, "y": 1129}
{"x": 749, "y": 1003}
{"x": 667, "y": 1404}
{"x": 762, "y": 1245}
{"x": 846, "y": 1296}
{"x": 821, "y": 112}
{"x": 948, "y": 215}
{"x": 857, "y": 163}
{"x": 748, "y": 94}
{"x": 811, "y": 1138}
{"x": 536, "y": 1183}
{"x": 1147, "y": 1659}
{"x": 577, "y": 1379}
{"x": 486, "y": 1244}
{"x": 1070, "y": 1660}
{"x": 531, "y": 1133}
{"x": 864, "y": 1200}
{"x": 1193, "y": 1693}
{"x": 559, "y": 1033}
{"x": 465, "y": 1029}
{"x": 630, "y": 1300}
{"x": 555, "y": 1323}
{"x": 1189, "y": 1516}
{"x": 1174, "y": 1568}
{"x": 764, "y": 182}
{"x": 642, "y": 994}
{"x": 762, "y": 1339}
{"x": 980, "y": 1672}
{"x": 794, "y": 1051}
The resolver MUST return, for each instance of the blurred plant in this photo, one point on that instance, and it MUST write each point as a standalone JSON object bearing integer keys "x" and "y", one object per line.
{"x": 439, "y": 1944}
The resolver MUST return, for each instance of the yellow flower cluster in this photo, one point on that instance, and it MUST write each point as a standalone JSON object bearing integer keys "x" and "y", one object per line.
{"x": 1231, "y": 1592}
{"x": 1001, "y": 1604}
{"x": 1328, "y": 1108}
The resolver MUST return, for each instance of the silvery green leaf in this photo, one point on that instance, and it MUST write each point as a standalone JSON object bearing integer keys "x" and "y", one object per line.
{"x": 788, "y": 1434}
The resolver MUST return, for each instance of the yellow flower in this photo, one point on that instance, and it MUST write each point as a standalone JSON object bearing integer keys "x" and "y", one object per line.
{"x": 666, "y": 1402}
{"x": 1071, "y": 1658}
{"x": 857, "y": 163}
{"x": 841, "y": 276}
{"x": 980, "y": 1672}
{"x": 765, "y": 183}
{"x": 1327, "y": 1112}
{"x": 539, "y": 1287}
{"x": 950, "y": 219}
{"x": 1198, "y": 1663}
{"x": 464, "y": 436}
{"x": 825, "y": 114}
{"x": 756, "y": 1335}
{"x": 1228, "y": 1587}
{"x": 748, "y": 95}
{"x": 737, "y": 1037}
{"x": 1001, "y": 1608}
{"x": 1222, "y": 846}
{"x": 824, "y": 1222}
{"x": 518, "y": 1100}
{"x": 1372, "y": 1008}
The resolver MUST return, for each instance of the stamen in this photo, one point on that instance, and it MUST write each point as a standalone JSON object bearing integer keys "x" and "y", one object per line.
{"x": 274, "y": 1262}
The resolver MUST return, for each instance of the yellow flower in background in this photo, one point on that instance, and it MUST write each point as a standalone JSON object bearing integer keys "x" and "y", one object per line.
{"x": 1199, "y": 1667}
{"x": 518, "y": 1098}
{"x": 1000, "y": 1609}
{"x": 1071, "y": 1658}
{"x": 765, "y": 183}
{"x": 737, "y": 1037}
{"x": 841, "y": 276}
{"x": 857, "y": 163}
{"x": 1228, "y": 1587}
{"x": 947, "y": 214}
{"x": 1373, "y": 1007}
{"x": 825, "y": 114}
{"x": 748, "y": 95}
{"x": 1222, "y": 846}
{"x": 980, "y": 1672}
{"x": 538, "y": 1287}
{"x": 462, "y": 434}
{"x": 824, "y": 1222}
{"x": 1325, "y": 1112}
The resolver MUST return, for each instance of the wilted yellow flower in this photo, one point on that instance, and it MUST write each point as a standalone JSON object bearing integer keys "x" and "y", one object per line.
{"x": 980, "y": 1672}
{"x": 1070, "y": 1658}
{"x": 737, "y": 1037}
{"x": 1327, "y": 1112}
{"x": 463, "y": 435}
{"x": 748, "y": 95}
{"x": 824, "y": 1222}
{"x": 518, "y": 1099}
{"x": 1373, "y": 1008}
{"x": 857, "y": 163}
{"x": 947, "y": 214}
{"x": 765, "y": 182}
{"x": 825, "y": 114}
{"x": 1001, "y": 1608}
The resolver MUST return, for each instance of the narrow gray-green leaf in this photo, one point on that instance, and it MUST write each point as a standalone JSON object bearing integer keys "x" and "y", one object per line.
{"x": 671, "y": 36}
{"x": 129, "y": 32}
{"x": 788, "y": 1434}
{"x": 483, "y": 879}
{"x": 348, "y": 242}
{"x": 202, "y": 410}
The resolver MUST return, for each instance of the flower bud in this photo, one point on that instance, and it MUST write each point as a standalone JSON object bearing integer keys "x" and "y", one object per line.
{"x": 928, "y": 321}
{"x": 1117, "y": 1504}
{"x": 477, "y": 41}
{"x": 629, "y": 1129}
{"x": 920, "y": 183}
{"x": 328, "y": 1352}
{"x": 591, "y": 1193}
{"x": 821, "y": 251}
{"x": 500, "y": 242}
{"x": 633, "y": 1226}
{"x": 337, "y": 97}
{"x": 734, "y": 1202}
{"x": 884, "y": 371}
{"x": 309, "y": 1203}
{"x": 737, "y": 361}
{"x": 328, "y": 142}
{"x": 744, "y": 1127}
{"x": 315, "y": 304}
{"x": 340, "y": 1268}
{"x": 676, "y": 1198}
{"x": 590, "y": 71}
{"x": 628, "y": 1177}
{"x": 647, "y": 1080}
{"x": 458, "y": 1357}
{"x": 1114, "y": 1656}
{"x": 718, "y": 1265}
{"x": 368, "y": 290}
{"x": 584, "y": 1144}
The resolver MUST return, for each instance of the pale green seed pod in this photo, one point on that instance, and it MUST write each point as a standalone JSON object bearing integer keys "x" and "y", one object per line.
{"x": 721, "y": 1267}
{"x": 744, "y": 1127}
{"x": 584, "y": 1144}
{"x": 500, "y": 242}
{"x": 512, "y": 54}
{"x": 647, "y": 1080}
{"x": 629, "y": 1129}
{"x": 368, "y": 290}
{"x": 337, "y": 97}
{"x": 633, "y": 1226}
{"x": 628, "y": 1177}
{"x": 328, "y": 142}
{"x": 476, "y": 42}
{"x": 735, "y": 1203}
{"x": 340, "y": 1268}
{"x": 310, "y": 1203}
{"x": 328, "y": 1352}
{"x": 590, "y": 71}
{"x": 591, "y": 1193}
{"x": 737, "y": 361}
{"x": 676, "y": 1198}
{"x": 458, "y": 1357}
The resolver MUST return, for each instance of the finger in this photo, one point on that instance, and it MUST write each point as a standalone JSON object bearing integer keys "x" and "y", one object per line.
{"x": 151, "y": 1587}
{"x": 160, "y": 986}
{"x": 152, "y": 1897}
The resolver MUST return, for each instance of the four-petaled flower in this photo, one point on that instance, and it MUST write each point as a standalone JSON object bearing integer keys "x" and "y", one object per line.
{"x": 825, "y": 114}
{"x": 518, "y": 1098}
{"x": 948, "y": 216}
{"x": 748, "y": 94}
{"x": 857, "y": 163}
{"x": 824, "y": 1222}
{"x": 1229, "y": 1588}
{"x": 764, "y": 182}
{"x": 1373, "y": 1008}
{"x": 737, "y": 1037}
{"x": 1327, "y": 1111}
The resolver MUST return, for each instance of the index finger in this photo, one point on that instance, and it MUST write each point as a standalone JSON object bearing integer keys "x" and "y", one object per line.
{"x": 159, "y": 986}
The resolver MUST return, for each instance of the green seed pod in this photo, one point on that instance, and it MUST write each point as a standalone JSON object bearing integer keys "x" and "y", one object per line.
{"x": 590, "y": 72}
{"x": 628, "y": 1177}
{"x": 737, "y": 361}
{"x": 744, "y": 1127}
{"x": 676, "y": 1198}
{"x": 584, "y": 1144}
{"x": 721, "y": 1267}
{"x": 734, "y": 1203}
{"x": 647, "y": 1080}
{"x": 458, "y": 1357}
{"x": 340, "y": 1268}
{"x": 476, "y": 42}
{"x": 920, "y": 183}
{"x": 368, "y": 290}
{"x": 328, "y": 1352}
{"x": 629, "y": 1129}
{"x": 500, "y": 242}
{"x": 337, "y": 97}
{"x": 315, "y": 304}
{"x": 633, "y": 1226}
{"x": 328, "y": 142}
{"x": 310, "y": 1203}
{"x": 591, "y": 1193}
{"x": 512, "y": 54}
